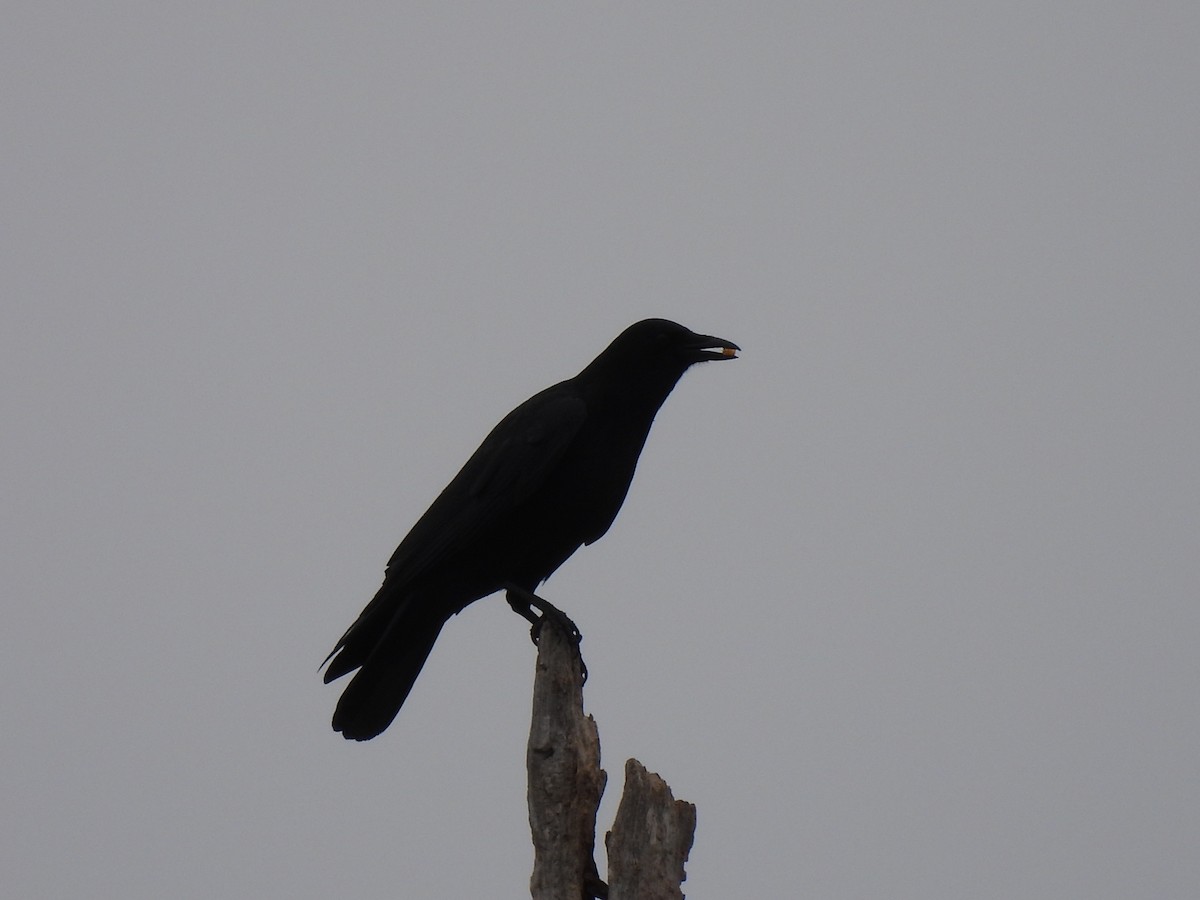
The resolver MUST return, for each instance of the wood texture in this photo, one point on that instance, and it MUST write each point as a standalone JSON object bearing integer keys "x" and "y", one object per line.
{"x": 650, "y": 839}
{"x": 652, "y": 835}
{"x": 565, "y": 778}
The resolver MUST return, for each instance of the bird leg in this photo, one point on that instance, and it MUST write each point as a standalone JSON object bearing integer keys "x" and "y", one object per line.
{"x": 524, "y": 603}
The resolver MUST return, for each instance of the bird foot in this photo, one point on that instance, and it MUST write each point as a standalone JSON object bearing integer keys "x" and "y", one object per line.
{"x": 524, "y": 603}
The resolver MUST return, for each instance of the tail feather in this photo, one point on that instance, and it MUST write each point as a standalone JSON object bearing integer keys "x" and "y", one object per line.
{"x": 375, "y": 694}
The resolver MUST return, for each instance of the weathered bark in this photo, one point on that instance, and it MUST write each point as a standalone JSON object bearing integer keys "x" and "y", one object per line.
{"x": 565, "y": 778}
{"x": 652, "y": 835}
{"x": 650, "y": 839}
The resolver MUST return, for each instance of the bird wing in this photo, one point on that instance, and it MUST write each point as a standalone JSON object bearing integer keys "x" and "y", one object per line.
{"x": 513, "y": 461}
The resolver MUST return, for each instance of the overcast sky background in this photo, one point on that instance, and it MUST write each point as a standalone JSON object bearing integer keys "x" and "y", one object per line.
{"x": 906, "y": 600}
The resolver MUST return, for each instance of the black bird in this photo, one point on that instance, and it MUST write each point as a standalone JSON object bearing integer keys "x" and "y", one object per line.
{"x": 548, "y": 479}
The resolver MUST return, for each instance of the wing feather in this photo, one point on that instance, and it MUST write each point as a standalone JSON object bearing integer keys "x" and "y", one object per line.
{"x": 511, "y": 464}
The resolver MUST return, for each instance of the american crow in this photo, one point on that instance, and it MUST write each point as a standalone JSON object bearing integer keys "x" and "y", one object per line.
{"x": 549, "y": 478}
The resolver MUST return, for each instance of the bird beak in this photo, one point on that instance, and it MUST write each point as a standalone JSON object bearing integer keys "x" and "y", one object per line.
{"x": 702, "y": 347}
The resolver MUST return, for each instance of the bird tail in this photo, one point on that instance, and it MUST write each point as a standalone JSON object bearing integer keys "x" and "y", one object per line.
{"x": 379, "y": 688}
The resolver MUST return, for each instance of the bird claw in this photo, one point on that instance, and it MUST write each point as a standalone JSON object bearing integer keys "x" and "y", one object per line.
{"x": 525, "y": 602}
{"x": 569, "y": 628}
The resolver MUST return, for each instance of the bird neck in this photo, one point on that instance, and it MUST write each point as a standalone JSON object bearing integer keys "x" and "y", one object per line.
{"x": 627, "y": 393}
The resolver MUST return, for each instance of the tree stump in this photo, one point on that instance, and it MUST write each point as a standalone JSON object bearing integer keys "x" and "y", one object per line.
{"x": 650, "y": 839}
{"x": 652, "y": 834}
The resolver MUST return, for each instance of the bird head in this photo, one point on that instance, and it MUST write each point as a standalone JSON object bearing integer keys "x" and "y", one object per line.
{"x": 644, "y": 361}
{"x": 669, "y": 342}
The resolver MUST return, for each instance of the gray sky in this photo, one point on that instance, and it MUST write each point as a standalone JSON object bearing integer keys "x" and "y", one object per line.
{"x": 905, "y": 600}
